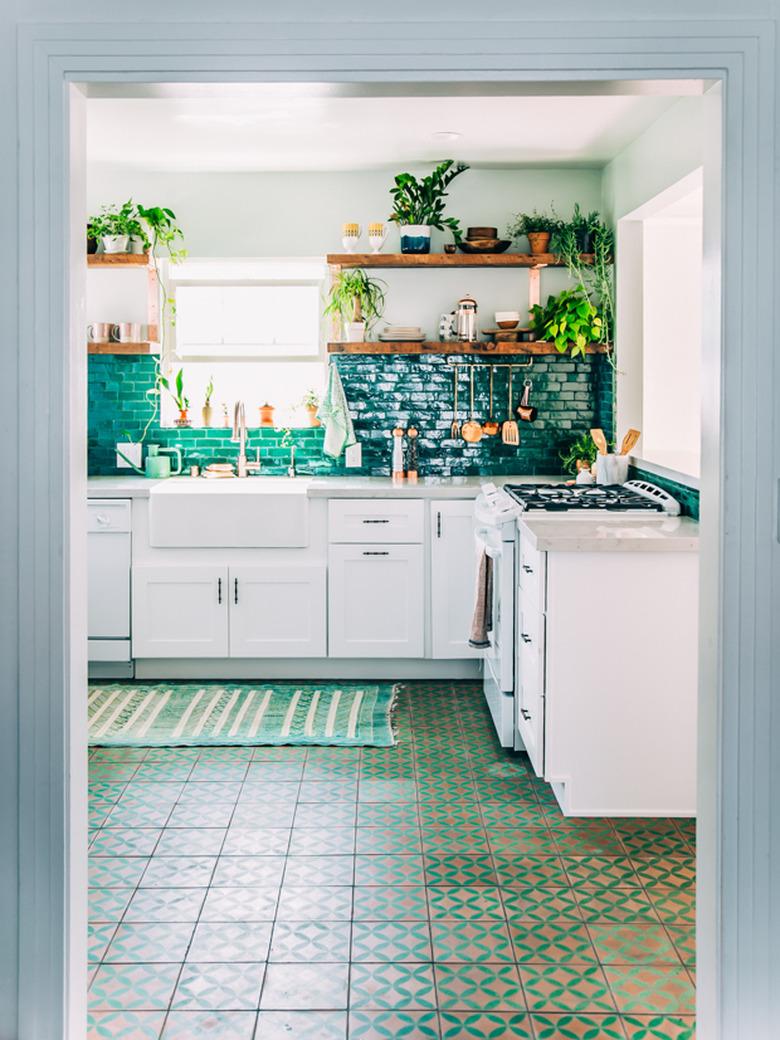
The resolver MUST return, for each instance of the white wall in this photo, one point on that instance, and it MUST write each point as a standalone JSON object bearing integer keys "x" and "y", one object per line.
{"x": 300, "y": 214}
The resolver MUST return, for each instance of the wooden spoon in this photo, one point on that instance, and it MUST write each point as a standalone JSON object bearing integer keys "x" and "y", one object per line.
{"x": 600, "y": 441}
{"x": 629, "y": 441}
{"x": 490, "y": 427}
{"x": 471, "y": 431}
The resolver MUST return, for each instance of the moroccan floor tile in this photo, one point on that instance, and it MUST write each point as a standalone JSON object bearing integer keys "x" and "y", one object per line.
{"x": 578, "y": 1027}
{"x": 399, "y": 941}
{"x": 652, "y": 989}
{"x": 531, "y": 871}
{"x": 465, "y": 903}
{"x": 649, "y": 844}
{"x": 108, "y": 904}
{"x": 306, "y": 941}
{"x": 659, "y": 1027}
{"x": 673, "y": 906}
{"x": 467, "y": 941}
{"x": 315, "y": 903}
{"x": 305, "y": 986}
{"x": 566, "y": 987}
{"x": 400, "y": 839}
{"x": 98, "y": 938}
{"x": 387, "y": 791}
{"x": 328, "y": 790}
{"x": 666, "y": 871}
{"x": 489, "y": 987}
{"x": 196, "y": 814}
{"x": 684, "y": 939}
{"x": 459, "y": 869}
{"x": 319, "y": 870}
{"x": 540, "y": 903}
{"x": 233, "y": 986}
{"x": 392, "y": 986}
{"x": 134, "y": 841}
{"x": 215, "y": 1025}
{"x": 150, "y": 942}
{"x": 389, "y": 869}
{"x": 191, "y": 841}
{"x": 333, "y": 842}
{"x": 246, "y": 841}
{"x": 601, "y": 871}
{"x": 551, "y": 942}
{"x": 301, "y": 1025}
{"x": 387, "y": 903}
{"x": 124, "y": 1025}
{"x": 178, "y": 872}
{"x": 240, "y": 904}
{"x": 116, "y": 871}
{"x": 319, "y": 814}
{"x": 230, "y": 941}
{"x": 633, "y": 943}
{"x": 166, "y": 904}
{"x": 481, "y": 1025}
{"x": 615, "y": 904}
{"x": 393, "y": 1025}
{"x": 136, "y": 987}
{"x": 242, "y": 871}
{"x": 530, "y": 842}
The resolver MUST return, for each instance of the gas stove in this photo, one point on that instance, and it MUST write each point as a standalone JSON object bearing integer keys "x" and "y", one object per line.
{"x": 633, "y": 497}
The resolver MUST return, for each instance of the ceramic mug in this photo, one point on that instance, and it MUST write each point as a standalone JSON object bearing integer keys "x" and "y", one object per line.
{"x": 126, "y": 332}
{"x": 350, "y": 235}
{"x": 99, "y": 332}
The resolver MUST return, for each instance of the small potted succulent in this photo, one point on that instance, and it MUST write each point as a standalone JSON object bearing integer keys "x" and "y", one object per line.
{"x": 418, "y": 206}
{"x": 177, "y": 393}
{"x": 206, "y": 411}
{"x": 113, "y": 227}
{"x": 358, "y": 301}
{"x": 538, "y": 228}
{"x": 311, "y": 402}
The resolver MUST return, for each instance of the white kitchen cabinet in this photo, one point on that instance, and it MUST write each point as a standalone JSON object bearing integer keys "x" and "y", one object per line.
{"x": 278, "y": 611}
{"x": 376, "y": 597}
{"x": 180, "y": 611}
{"x": 453, "y": 578}
{"x": 108, "y": 573}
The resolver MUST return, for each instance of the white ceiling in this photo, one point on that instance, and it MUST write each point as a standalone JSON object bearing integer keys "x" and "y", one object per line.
{"x": 357, "y": 133}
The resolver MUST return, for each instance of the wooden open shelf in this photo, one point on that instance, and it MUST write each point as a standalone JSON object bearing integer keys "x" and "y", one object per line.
{"x": 448, "y": 260}
{"x": 117, "y": 259}
{"x": 536, "y": 348}
{"x": 120, "y": 348}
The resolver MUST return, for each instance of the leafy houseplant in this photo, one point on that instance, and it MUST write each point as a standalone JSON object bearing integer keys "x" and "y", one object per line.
{"x": 580, "y": 454}
{"x": 177, "y": 393}
{"x": 358, "y": 300}
{"x": 161, "y": 224}
{"x": 569, "y": 320}
{"x": 113, "y": 227}
{"x": 596, "y": 279}
{"x": 206, "y": 411}
{"x": 418, "y": 206}
{"x": 538, "y": 228}
{"x": 311, "y": 402}
{"x": 583, "y": 227}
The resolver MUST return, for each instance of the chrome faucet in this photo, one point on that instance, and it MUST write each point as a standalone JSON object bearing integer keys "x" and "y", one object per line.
{"x": 291, "y": 467}
{"x": 243, "y": 466}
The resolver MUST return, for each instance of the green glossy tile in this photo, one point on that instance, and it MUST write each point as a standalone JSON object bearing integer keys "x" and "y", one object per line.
{"x": 566, "y": 987}
{"x": 393, "y": 1025}
{"x": 551, "y": 942}
{"x": 481, "y": 986}
{"x": 651, "y": 989}
{"x": 467, "y": 941}
{"x": 578, "y": 1027}
{"x": 485, "y": 1025}
{"x": 399, "y": 941}
{"x": 392, "y": 986}
{"x": 659, "y": 1027}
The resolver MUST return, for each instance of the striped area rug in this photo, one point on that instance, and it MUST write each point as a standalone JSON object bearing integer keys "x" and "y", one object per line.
{"x": 162, "y": 714}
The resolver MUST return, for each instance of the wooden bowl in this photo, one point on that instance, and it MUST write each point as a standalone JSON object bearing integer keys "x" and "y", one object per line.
{"x": 508, "y": 324}
{"x": 482, "y": 232}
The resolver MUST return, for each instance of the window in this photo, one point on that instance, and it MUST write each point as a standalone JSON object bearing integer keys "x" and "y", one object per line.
{"x": 254, "y": 327}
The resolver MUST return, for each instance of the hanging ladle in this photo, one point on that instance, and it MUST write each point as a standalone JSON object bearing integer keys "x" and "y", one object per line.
{"x": 490, "y": 427}
{"x": 471, "y": 431}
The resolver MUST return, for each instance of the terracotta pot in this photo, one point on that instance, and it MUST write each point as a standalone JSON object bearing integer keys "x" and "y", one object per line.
{"x": 311, "y": 410}
{"x": 206, "y": 413}
{"x": 184, "y": 419}
{"x": 539, "y": 241}
{"x": 267, "y": 415}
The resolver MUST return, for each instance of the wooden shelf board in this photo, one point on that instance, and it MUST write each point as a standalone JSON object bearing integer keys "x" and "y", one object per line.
{"x": 447, "y": 260}
{"x": 454, "y": 347}
{"x": 120, "y": 348}
{"x": 117, "y": 259}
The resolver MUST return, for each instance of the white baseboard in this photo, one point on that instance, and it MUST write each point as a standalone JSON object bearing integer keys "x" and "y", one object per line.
{"x": 303, "y": 668}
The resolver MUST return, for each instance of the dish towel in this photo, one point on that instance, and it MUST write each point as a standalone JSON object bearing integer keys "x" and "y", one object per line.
{"x": 482, "y": 623}
{"x": 335, "y": 417}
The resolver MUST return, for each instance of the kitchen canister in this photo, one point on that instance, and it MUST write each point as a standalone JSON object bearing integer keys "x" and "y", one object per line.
{"x": 611, "y": 469}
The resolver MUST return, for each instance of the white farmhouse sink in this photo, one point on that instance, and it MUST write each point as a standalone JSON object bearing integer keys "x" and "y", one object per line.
{"x": 251, "y": 513}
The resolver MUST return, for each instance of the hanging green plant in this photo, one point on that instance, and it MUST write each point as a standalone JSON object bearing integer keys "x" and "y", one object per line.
{"x": 569, "y": 320}
{"x": 357, "y": 299}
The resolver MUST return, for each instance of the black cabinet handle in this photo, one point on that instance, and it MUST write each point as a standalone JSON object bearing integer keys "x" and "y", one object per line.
{"x": 235, "y": 590}
{"x": 526, "y": 714}
{"x": 376, "y": 521}
{"x": 527, "y": 569}
{"x": 368, "y": 553}
{"x": 438, "y": 523}
{"x": 219, "y": 590}
{"x": 525, "y": 637}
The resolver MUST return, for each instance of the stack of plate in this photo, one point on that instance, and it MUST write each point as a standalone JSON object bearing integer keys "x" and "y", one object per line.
{"x": 219, "y": 471}
{"x": 402, "y": 333}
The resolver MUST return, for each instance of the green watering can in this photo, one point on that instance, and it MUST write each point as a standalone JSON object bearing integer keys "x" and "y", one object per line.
{"x": 157, "y": 465}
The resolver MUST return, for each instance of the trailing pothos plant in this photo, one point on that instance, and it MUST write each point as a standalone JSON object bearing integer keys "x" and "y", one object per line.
{"x": 569, "y": 320}
{"x": 356, "y": 297}
{"x": 422, "y": 201}
{"x": 596, "y": 279}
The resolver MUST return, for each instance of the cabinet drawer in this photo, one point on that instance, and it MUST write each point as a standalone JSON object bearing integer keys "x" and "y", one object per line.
{"x": 108, "y": 515}
{"x": 531, "y": 568}
{"x": 366, "y": 520}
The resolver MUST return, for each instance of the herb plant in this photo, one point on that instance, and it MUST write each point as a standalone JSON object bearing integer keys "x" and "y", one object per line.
{"x": 356, "y": 297}
{"x": 569, "y": 320}
{"x": 525, "y": 224}
{"x": 115, "y": 220}
{"x": 422, "y": 201}
{"x": 582, "y": 448}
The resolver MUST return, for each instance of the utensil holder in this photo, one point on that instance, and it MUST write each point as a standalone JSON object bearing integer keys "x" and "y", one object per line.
{"x": 611, "y": 469}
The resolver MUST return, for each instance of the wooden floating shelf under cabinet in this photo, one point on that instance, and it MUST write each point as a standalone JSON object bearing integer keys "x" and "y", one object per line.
{"x": 537, "y": 348}
{"x": 121, "y": 348}
{"x": 117, "y": 259}
{"x": 449, "y": 260}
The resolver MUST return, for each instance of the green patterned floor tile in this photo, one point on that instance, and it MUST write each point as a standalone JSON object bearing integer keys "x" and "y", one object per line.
{"x": 393, "y": 1025}
{"x": 483, "y": 987}
{"x": 234, "y": 986}
{"x": 399, "y": 941}
{"x": 379, "y": 840}
{"x": 386, "y": 903}
{"x": 468, "y": 941}
{"x": 116, "y": 871}
{"x": 654, "y": 989}
{"x": 536, "y": 841}
{"x": 551, "y": 942}
{"x": 540, "y": 903}
{"x": 389, "y": 869}
{"x": 108, "y": 904}
{"x": 531, "y": 871}
{"x": 566, "y": 987}
{"x": 465, "y": 903}
{"x": 301, "y": 1025}
{"x": 601, "y": 871}
{"x": 642, "y": 843}
{"x": 615, "y": 904}
{"x": 124, "y": 1025}
{"x": 387, "y": 814}
{"x": 660, "y": 1027}
{"x": 392, "y": 986}
{"x": 459, "y": 869}
{"x": 98, "y": 938}
{"x": 302, "y": 942}
{"x": 485, "y": 1025}
{"x": 133, "y": 987}
{"x": 666, "y": 871}
{"x": 673, "y": 906}
{"x": 194, "y": 1025}
{"x": 151, "y": 942}
{"x": 684, "y": 939}
{"x": 633, "y": 943}
{"x": 578, "y": 1027}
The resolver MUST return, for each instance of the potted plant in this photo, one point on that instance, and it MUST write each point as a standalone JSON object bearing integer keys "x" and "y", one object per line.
{"x": 177, "y": 393}
{"x": 583, "y": 227}
{"x": 160, "y": 223}
{"x": 206, "y": 410}
{"x": 538, "y": 228}
{"x": 595, "y": 277}
{"x": 580, "y": 454}
{"x": 418, "y": 206}
{"x": 569, "y": 320}
{"x": 113, "y": 226}
{"x": 358, "y": 300}
{"x": 311, "y": 402}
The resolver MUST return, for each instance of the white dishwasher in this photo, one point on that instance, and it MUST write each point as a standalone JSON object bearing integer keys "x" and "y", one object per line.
{"x": 108, "y": 586}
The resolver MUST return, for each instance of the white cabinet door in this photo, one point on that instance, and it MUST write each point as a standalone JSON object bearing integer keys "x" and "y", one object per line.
{"x": 278, "y": 611}
{"x": 375, "y": 601}
{"x": 453, "y": 578}
{"x": 180, "y": 611}
{"x": 531, "y": 681}
{"x": 108, "y": 585}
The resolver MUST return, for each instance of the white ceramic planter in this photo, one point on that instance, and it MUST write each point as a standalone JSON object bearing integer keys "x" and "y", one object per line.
{"x": 115, "y": 243}
{"x": 415, "y": 238}
{"x": 355, "y": 331}
{"x": 135, "y": 245}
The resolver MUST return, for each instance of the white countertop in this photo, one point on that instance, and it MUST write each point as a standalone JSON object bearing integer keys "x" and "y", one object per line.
{"x": 133, "y": 486}
{"x": 672, "y": 534}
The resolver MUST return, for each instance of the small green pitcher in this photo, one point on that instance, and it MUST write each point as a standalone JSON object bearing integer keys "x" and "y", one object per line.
{"x": 158, "y": 465}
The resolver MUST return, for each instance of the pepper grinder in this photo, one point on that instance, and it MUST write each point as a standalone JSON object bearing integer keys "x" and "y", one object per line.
{"x": 398, "y": 455}
{"x": 411, "y": 455}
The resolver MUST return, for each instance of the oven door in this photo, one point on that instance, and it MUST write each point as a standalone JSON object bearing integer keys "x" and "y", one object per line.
{"x": 500, "y": 654}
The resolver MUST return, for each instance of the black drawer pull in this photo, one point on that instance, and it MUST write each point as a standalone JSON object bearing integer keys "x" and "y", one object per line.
{"x": 527, "y": 569}
{"x": 368, "y": 553}
{"x": 235, "y": 590}
{"x": 525, "y": 637}
{"x": 376, "y": 521}
{"x": 219, "y": 590}
{"x": 526, "y": 714}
